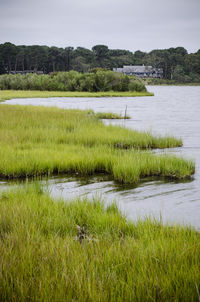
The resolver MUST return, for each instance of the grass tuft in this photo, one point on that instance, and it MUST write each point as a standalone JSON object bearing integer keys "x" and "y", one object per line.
{"x": 44, "y": 141}
{"x": 41, "y": 258}
{"x": 110, "y": 115}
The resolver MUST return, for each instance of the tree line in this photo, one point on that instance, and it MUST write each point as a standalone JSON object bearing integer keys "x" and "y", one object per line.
{"x": 177, "y": 63}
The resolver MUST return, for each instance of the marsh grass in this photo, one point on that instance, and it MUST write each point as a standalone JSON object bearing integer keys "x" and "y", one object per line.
{"x": 110, "y": 115}
{"x": 44, "y": 141}
{"x": 14, "y": 94}
{"x": 107, "y": 115}
{"x": 42, "y": 258}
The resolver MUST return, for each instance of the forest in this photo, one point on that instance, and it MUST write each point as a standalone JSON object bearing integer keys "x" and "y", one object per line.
{"x": 177, "y": 63}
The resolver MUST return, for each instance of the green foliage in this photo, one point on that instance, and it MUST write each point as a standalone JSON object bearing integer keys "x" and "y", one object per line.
{"x": 43, "y": 259}
{"x": 179, "y": 74}
{"x": 52, "y": 59}
{"x": 73, "y": 81}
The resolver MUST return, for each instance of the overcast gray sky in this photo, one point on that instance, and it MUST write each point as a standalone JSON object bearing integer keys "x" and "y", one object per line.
{"x": 123, "y": 24}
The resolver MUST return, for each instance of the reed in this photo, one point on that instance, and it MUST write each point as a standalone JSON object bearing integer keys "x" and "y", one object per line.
{"x": 45, "y": 257}
{"x": 44, "y": 141}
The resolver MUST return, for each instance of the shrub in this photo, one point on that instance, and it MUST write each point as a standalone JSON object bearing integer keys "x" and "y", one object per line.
{"x": 100, "y": 80}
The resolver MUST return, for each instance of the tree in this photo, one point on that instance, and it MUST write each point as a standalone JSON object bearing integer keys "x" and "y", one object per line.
{"x": 139, "y": 57}
{"x": 53, "y": 57}
{"x": 179, "y": 74}
{"x": 83, "y": 59}
{"x": 120, "y": 57}
{"x": 192, "y": 63}
{"x": 175, "y": 62}
{"x": 67, "y": 55}
{"x": 101, "y": 52}
{"x": 8, "y": 54}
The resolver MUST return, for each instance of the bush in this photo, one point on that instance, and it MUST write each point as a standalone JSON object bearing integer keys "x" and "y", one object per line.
{"x": 100, "y": 80}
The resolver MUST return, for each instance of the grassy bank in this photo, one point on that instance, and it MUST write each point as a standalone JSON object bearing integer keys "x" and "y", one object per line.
{"x": 37, "y": 141}
{"x": 45, "y": 257}
{"x": 19, "y": 94}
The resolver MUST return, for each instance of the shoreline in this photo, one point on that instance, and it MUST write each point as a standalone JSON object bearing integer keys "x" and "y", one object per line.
{"x": 13, "y": 94}
{"x": 189, "y": 84}
{"x": 168, "y": 83}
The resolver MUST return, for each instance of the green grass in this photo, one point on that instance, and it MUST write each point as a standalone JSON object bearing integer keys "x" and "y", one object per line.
{"x": 110, "y": 115}
{"x": 14, "y": 94}
{"x": 44, "y": 141}
{"x": 42, "y": 258}
{"x": 106, "y": 115}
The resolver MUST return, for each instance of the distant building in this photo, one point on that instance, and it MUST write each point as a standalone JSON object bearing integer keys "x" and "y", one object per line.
{"x": 141, "y": 71}
{"x": 26, "y": 72}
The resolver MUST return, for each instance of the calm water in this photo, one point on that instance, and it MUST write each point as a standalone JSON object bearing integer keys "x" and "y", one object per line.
{"x": 173, "y": 110}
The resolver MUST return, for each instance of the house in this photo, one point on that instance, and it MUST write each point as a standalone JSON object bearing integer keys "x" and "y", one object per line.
{"x": 141, "y": 71}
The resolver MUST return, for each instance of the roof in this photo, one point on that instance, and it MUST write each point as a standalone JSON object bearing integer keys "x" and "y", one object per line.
{"x": 138, "y": 69}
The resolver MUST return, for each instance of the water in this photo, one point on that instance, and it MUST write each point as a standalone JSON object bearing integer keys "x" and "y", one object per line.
{"x": 173, "y": 110}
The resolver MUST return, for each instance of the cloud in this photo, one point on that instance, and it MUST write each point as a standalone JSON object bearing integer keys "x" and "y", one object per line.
{"x": 126, "y": 24}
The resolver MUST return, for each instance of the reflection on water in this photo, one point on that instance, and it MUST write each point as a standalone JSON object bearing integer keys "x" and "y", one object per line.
{"x": 174, "y": 111}
{"x": 170, "y": 199}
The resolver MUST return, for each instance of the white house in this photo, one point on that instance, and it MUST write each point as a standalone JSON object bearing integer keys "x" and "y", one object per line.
{"x": 141, "y": 71}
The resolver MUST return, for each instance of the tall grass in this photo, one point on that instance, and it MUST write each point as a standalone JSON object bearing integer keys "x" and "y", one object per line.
{"x": 110, "y": 115}
{"x": 43, "y": 259}
{"x": 37, "y": 141}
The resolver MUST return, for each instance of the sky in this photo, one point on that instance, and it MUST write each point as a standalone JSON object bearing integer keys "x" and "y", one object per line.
{"x": 120, "y": 24}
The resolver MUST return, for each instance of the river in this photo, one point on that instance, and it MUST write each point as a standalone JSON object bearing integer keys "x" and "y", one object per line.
{"x": 173, "y": 110}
